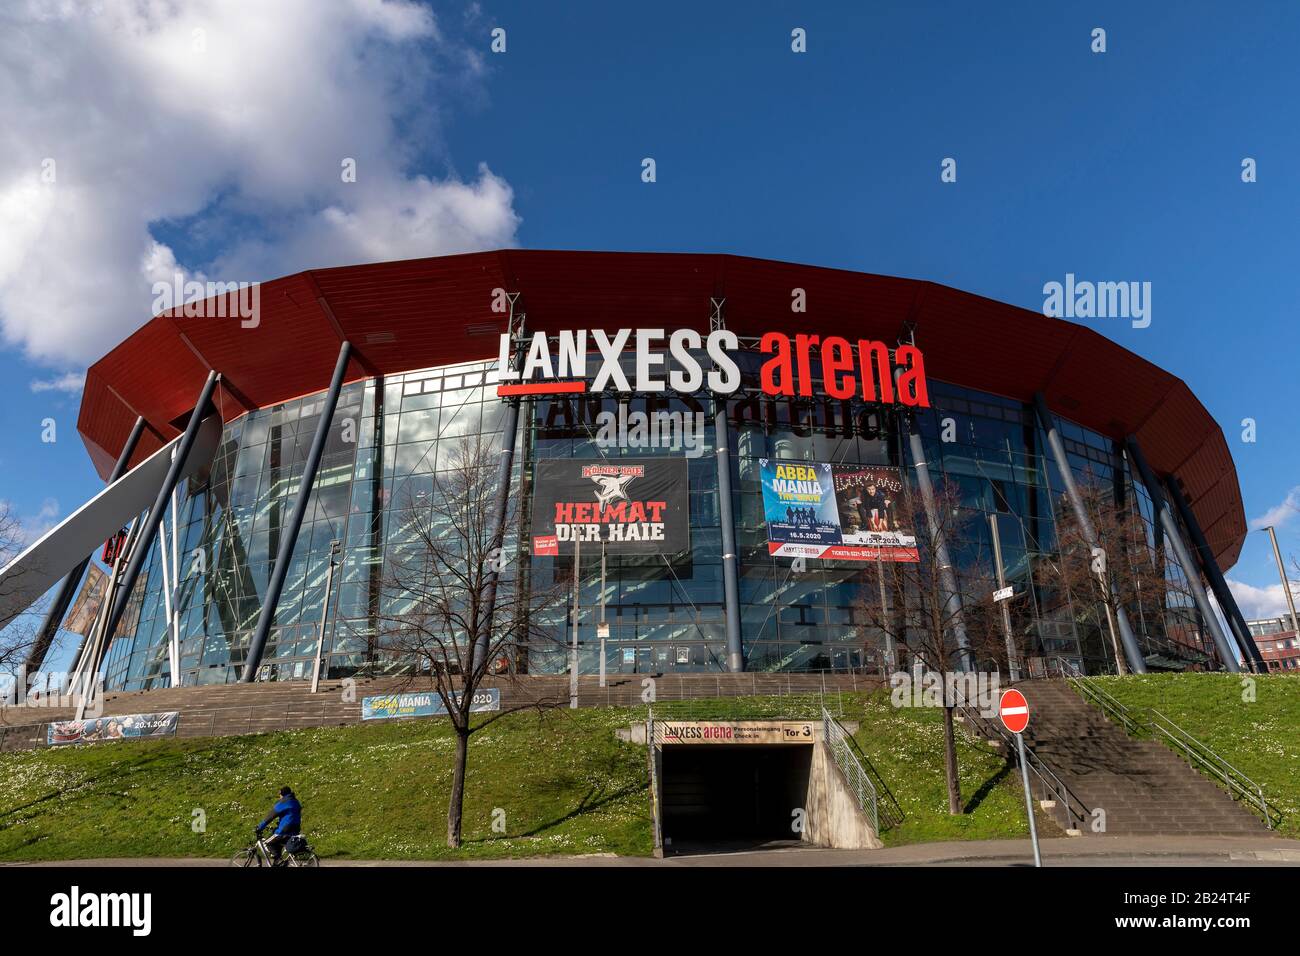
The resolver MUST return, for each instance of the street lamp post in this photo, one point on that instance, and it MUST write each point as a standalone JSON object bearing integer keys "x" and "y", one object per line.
{"x": 1286, "y": 585}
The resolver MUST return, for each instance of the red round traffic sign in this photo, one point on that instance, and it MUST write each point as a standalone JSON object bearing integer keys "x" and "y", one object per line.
{"x": 1014, "y": 711}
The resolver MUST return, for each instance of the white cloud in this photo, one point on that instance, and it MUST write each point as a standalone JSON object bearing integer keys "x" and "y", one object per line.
{"x": 70, "y": 382}
{"x": 1259, "y": 603}
{"x": 1280, "y": 514}
{"x": 227, "y": 120}
{"x": 27, "y": 528}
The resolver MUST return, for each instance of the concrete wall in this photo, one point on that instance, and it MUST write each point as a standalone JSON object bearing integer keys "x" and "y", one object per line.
{"x": 834, "y": 818}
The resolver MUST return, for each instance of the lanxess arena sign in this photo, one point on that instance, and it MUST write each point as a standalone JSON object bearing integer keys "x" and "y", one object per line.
{"x": 665, "y": 360}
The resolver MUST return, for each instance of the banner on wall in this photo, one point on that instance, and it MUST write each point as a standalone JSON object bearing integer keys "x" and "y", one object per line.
{"x": 85, "y": 609}
{"x": 98, "y": 729}
{"x": 835, "y": 512}
{"x": 425, "y": 704}
{"x": 630, "y": 505}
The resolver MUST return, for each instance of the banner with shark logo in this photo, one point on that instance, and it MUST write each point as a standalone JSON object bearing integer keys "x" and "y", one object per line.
{"x": 631, "y": 505}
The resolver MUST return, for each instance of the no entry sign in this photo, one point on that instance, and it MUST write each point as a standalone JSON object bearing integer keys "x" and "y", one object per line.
{"x": 1014, "y": 711}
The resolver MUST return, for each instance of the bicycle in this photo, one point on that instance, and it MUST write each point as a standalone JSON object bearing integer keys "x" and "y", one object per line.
{"x": 296, "y": 852}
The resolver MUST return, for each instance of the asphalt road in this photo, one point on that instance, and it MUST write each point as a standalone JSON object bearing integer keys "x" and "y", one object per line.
{"x": 1173, "y": 851}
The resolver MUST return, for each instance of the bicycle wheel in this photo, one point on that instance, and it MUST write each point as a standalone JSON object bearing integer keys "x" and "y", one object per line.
{"x": 305, "y": 859}
{"x": 246, "y": 857}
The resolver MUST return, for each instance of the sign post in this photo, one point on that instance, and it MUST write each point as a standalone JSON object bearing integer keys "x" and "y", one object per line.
{"x": 1001, "y": 596}
{"x": 1014, "y": 711}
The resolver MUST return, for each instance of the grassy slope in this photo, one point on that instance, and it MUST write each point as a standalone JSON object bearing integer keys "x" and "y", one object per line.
{"x": 1261, "y": 738}
{"x": 906, "y": 747}
{"x": 368, "y": 791}
{"x": 378, "y": 791}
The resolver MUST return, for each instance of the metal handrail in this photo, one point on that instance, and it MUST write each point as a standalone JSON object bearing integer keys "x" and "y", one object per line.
{"x": 1051, "y": 782}
{"x": 837, "y": 742}
{"x": 1104, "y": 701}
{"x": 1236, "y": 782}
{"x": 1149, "y": 722}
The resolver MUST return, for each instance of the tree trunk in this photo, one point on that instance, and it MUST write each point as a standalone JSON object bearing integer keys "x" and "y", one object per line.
{"x": 455, "y": 809}
{"x": 950, "y": 764}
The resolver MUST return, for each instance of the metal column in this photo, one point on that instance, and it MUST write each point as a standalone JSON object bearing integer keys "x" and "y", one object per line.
{"x": 1190, "y": 569}
{"x": 726, "y": 516}
{"x": 573, "y": 647}
{"x": 54, "y": 616}
{"x": 730, "y": 577}
{"x": 952, "y": 599}
{"x": 144, "y": 543}
{"x": 289, "y": 533}
{"x": 1227, "y": 603}
{"x": 505, "y": 464}
{"x": 1132, "y": 652}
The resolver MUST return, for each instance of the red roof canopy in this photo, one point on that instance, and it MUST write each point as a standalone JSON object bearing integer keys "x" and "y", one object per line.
{"x": 421, "y": 313}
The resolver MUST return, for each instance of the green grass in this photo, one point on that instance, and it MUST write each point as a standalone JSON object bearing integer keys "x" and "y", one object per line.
{"x": 1260, "y": 737}
{"x": 566, "y": 785}
{"x": 906, "y": 747}
{"x": 372, "y": 791}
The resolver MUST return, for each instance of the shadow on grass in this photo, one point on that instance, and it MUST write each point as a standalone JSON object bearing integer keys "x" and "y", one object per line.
{"x": 593, "y": 800}
{"x": 95, "y": 786}
{"x": 987, "y": 787}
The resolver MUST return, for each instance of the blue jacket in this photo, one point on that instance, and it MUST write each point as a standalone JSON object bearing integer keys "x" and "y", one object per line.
{"x": 289, "y": 810}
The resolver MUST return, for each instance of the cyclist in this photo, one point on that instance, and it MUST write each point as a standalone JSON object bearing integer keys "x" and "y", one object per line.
{"x": 289, "y": 812}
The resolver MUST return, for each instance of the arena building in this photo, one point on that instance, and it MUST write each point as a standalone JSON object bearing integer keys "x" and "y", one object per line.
{"x": 756, "y": 385}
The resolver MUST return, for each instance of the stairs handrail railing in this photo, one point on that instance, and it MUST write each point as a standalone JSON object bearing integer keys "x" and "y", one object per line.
{"x": 890, "y": 812}
{"x": 1094, "y": 694}
{"x": 1237, "y": 783}
{"x": 1149, "y": 722}
{"x": 837, "y": 743}
{"x": 1074, "y": 807}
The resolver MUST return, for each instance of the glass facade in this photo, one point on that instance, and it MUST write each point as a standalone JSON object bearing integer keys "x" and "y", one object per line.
{"x": 390, "y": 436}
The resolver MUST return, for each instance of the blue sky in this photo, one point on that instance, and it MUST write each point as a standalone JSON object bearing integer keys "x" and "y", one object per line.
{"x": 1124, "y": 165}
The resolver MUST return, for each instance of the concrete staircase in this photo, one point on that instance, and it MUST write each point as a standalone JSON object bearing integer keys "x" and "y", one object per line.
{"x": 1142, "y": 785}
{"x": 228, "y": 709}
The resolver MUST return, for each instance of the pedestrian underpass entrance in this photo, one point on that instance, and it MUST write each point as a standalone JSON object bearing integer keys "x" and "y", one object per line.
{"x": 724, "y": 784}
{"x": 733, "y": 793}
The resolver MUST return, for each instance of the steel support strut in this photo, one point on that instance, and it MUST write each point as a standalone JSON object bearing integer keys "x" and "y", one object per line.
{"x": 726, "y": 517}
{"x": 1191, "y": 571}
{"x": 54, "y": 616}
{"x": 947, "y": 580}
{"x": 501, "y": 504}
{"x": 730, "y": 582}
{"x": 144, "y": 542}
{"x": 1132, "y": 652}
{"x": 289, "y": 533}
{"x": 1227, "y": 603}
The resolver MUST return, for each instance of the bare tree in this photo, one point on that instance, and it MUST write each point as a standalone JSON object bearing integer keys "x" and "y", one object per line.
{"x": 916, "y": 610}
{"x": 18, "y": 631}
{"x": 1129, "y": 573}
{"x": 451, "y": 603}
